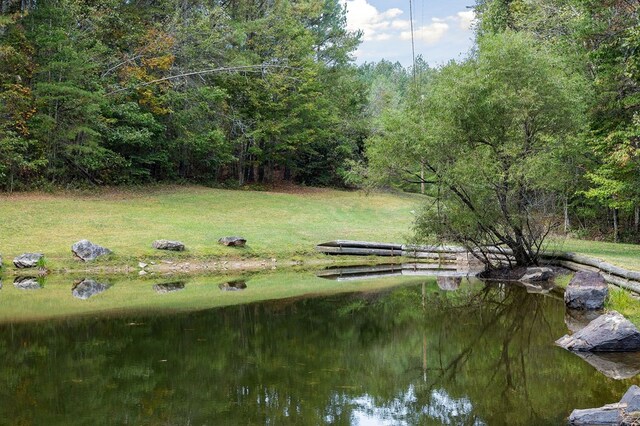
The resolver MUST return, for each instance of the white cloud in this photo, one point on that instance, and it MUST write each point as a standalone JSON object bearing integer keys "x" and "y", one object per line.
{"x": 466, "y": 19}
{"x": 429, "y": 34}
{"x": 361, "y": 15}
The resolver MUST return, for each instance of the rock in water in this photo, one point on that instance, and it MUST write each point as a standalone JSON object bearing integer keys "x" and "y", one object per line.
{"x": 168, "y": 287}
{"x": 233, "y": 241}
{"x": 27, "y": 260}
{"x": 87, "y": 288}
{"x": 86, "y": 250}
{"x": 537, "y": 274}
{"x": 624, "y": 413}
{"x": 27, "y": 283}
{"x": 168, "y": 245}
{"x": 610, "y": 332}
{"x": 587, "y": 290}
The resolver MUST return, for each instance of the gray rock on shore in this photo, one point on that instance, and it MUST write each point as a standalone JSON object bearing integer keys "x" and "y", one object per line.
{"x": 626, "y": 412}
{"x": 233, "y": 286}
{"x": 27, "y": 260}
{"x": 610, "y": 332}
{"x": 233, "y": 241}
{"x": 586, "y": 290}
{"x": 86, "y": 250}
{"x": 168, "y": 245}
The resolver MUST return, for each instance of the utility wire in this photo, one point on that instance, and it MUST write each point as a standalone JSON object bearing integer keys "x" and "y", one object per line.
{"x": 413, "y": 44}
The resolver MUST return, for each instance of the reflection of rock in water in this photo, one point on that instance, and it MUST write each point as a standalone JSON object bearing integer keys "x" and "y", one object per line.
{"x": 168, "y": 287}
{"x": 0, "y": 284}
{"x": 538, "y": 287}
{"x": 27, "y": 283}
{"x": 576, "y": 320}
{"x": 233, "y": 286}
{"x": 449, "y": 283}
{"x": 87, "y": 288}
{"x": 615, "y": 365}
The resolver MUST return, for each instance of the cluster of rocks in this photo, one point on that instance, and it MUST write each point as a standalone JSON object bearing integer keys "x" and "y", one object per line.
{"x": 87, "y": 251}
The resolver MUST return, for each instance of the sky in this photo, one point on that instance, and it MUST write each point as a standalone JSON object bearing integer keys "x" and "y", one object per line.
{"x": 442, "y": 29}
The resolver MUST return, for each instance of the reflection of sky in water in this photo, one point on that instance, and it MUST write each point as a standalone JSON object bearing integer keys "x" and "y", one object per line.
{"x": 442, "y": 407}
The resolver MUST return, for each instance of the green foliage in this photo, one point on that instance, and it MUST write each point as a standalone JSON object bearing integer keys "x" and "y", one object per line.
{"x": 114, "y": 92}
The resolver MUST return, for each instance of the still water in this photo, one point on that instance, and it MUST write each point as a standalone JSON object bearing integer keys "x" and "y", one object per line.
{"x": 419, "y": 352}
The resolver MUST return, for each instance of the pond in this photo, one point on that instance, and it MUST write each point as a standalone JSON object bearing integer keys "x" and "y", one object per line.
{"x": 391, "y": 350}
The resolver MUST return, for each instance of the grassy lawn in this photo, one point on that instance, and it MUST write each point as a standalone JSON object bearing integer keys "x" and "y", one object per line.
{"x": 625, "y": 255}
{"x": 280, "y": 225}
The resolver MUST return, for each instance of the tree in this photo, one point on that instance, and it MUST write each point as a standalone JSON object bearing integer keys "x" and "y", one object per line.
{"x": 491, "y": 130}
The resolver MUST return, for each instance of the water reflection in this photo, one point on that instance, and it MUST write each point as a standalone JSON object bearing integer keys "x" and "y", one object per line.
{"x": 87, "y": 288}
{"x": 348, "y": 273}
{"x": 479, "y": 355}
{"x": 233, "y": 285}
{"x": 27, "y": 283}
{"x": 165, "y": 288}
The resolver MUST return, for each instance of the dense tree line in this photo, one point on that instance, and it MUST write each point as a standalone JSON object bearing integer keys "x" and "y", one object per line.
{"x": 121, "y": 92}
{"x": 537, "y": 131}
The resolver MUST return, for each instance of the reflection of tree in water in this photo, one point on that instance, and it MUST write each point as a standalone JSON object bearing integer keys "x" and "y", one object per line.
{"x": 479, "y": 354}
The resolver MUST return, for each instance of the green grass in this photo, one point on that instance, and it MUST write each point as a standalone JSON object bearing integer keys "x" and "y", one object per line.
{"x": 135, "y": 295}
{"x": 624, "y": 255}
{"x": 280, "y": 225}
{"x": 622, "y": 301}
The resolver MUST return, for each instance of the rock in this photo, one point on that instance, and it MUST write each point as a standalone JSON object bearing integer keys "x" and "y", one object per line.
{"x": 168, "y": 287}
{"x": 610, "y": 332}
{"x": 614, "y": 365}
{"x": 143, "y": 272}
{"x": 586, "y": 290}
{"x": 537, "y": 274}
{"x": 87, "y": 251}
{"x": 88, "y": 288}
{"x": 28, "y": 260}
{"x": 233, "y": 241}
{"x": 624, "y": 413}
{"x": 168, "y": 245}
{"x": 27, "y": 283}
{"x": 576, "y": 319}
{"x": 607, "y": 415}
{"x": 448, "y": 283}
{"x": 142, "y": 265}
{"x": 233, "y": 286}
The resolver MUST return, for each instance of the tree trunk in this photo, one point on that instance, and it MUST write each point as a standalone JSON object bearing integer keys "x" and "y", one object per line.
{"x": 615, "y": 226}
{"x": 636, "y": 219}
{"x": 567, "y": 223}
{"x": 422, "y": 177}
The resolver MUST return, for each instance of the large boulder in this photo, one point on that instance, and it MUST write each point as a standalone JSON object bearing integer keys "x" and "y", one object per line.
{"x": 233, "y": 241}
{"x": 168, "y": 287}
{"x": 27, "y": 283}
{"x": 586, "y": 290}
{"x": 168, "y": 245}
{"x": 87, "y": 288}
{"x": 610, "y": 332}
{"x": 86, "y": 250}
{"x": 624, "y": 413}
{"x": 535, "y": 274}
{"x": 27, "y": 260}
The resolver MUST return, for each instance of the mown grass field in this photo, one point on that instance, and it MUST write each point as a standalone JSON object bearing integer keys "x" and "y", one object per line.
{"x": 282, "y": 225}
{"x": 276, "y": 225}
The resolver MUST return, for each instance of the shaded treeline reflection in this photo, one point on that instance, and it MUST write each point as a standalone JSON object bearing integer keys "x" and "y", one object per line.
{"x": 414, "y": 355}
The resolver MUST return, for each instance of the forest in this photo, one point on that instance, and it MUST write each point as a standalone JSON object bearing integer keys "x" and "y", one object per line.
{"x": 541, "y": 120}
